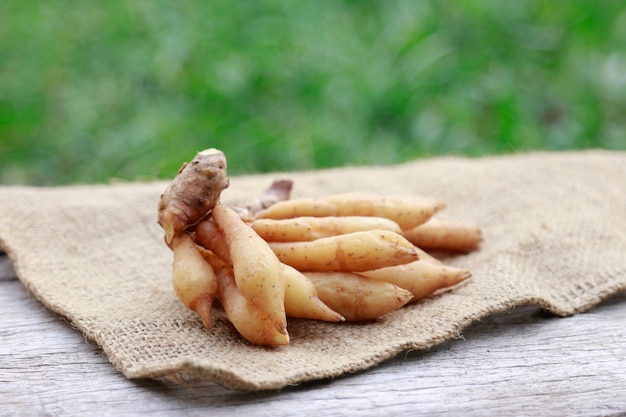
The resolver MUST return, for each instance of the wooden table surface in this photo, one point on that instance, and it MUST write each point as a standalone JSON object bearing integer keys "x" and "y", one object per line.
{"x": 523, "y": 362}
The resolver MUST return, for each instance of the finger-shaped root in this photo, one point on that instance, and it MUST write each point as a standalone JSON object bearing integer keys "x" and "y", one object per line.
{"x": 406, "y": 210}
{"x": 438, "y": 234}
{"x": 251, "y": 321}
{"x": 311, "y": 228}
{"x": 421, "y": 278}
{"x": 257, "y": 270}
{"x": 209, "y": 235}
{"x": 193, "y": 278}
{"x": 356, "y": 297}
{"x": 358, "y": 251}
{"x": 301, "y": 299}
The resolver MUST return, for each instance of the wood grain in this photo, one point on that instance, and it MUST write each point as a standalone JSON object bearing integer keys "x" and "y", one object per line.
{"x": 519, "y": 363}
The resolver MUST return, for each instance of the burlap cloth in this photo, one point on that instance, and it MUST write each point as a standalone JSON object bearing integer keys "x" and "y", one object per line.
{"x": 555, "y": 236}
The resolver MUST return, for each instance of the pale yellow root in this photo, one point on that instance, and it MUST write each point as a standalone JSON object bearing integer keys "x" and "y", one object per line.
{"x": 406, "y": 210}
{"x": 356, "y": 297}
{"x": 309, "y": 228}
{"x": 438, "y": 234}
{"x": 299, "y": 207}
{"x": 208, "y": 235}
{"x": 421, "y": 278}
{"x": 193, "y": 278}
{"x": 258, "y": 272}
{"x": 301, "y": 299}
{"x": 358, "y": 251}
{"x": 252, "y": 322}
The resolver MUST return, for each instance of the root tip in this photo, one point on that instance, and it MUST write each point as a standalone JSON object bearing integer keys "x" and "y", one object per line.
{"x": 204, "y": 308}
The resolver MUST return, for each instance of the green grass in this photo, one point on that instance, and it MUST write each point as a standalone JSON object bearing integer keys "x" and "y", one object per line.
{"x": 129, "y": 89}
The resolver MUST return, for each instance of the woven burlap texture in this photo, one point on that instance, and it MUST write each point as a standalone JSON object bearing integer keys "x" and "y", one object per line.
{"x": 554, "y": 236}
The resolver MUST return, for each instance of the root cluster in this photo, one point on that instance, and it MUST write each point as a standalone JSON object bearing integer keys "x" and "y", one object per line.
{"x": 342, "y": 257}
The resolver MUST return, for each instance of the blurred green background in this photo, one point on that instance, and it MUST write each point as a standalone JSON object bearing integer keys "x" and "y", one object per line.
{"x": 91, "y": 91}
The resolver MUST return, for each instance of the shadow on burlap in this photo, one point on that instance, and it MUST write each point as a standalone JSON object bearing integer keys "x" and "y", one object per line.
{"x": 554, "y": 234}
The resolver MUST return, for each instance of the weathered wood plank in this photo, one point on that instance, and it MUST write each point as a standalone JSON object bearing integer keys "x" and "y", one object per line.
{"x": 517, "y": 363}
